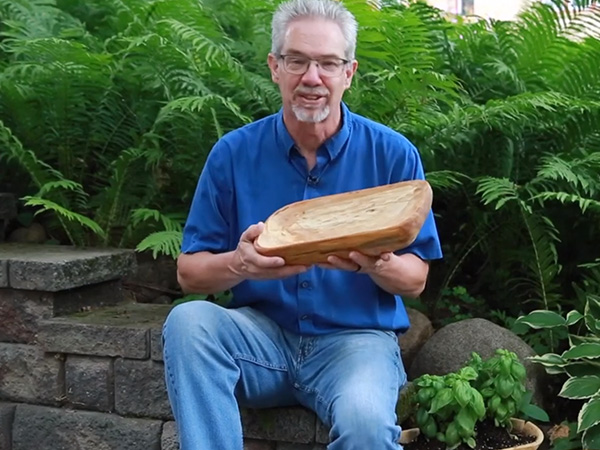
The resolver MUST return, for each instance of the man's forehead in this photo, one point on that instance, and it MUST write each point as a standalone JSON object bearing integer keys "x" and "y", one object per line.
{"x": 314, "y": 37}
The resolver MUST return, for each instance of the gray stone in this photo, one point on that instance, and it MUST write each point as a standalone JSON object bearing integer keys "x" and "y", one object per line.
{"x": 3, "y": 273}
{"x": 60, "y": 267}
{"x": 67, "y": 336}
{"x": 89, "y": 383}
{"x": 43, "y": 428}
{"x": 33, "y": 234}
{"x": 29, "y": 375}
{"x": 21, "y": 312}
{"x": 169, "y": 439}
{"x": 8, "y": 206}
{"x": 293, "y": 424}
{"x": 451, "y": 347}
{"x": 7, "y": 414}
{"x": 322, "y": 432}
{"x": 419, "y": 332}
{"x": 253, "y": 444}
{"x": 88, "y": 298}
{"x": 122, "y": 330}
{"x": 140, "y": 389}
{"x": 156, "y": 350}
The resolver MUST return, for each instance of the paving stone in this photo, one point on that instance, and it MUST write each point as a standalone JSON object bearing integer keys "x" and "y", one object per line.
{"x": 29, "y": 375}
{"x": 169, "y": 439}
{"x": 322, "y": 433}
{"x": 21, "y": 312}
{"x": 89, "y": 383}
{"x": 3, "y": 273}
{"x": 140, "y": 389}
{"x": 156, "y": 350}
{"x": 7, "y": 414}
{"x": 253, "y": 444}
{"x": 122, "y": 330}
{"x": 87, "y": 298}
{"x": 43, "y": 428}
{"x": 294, "y": 424}
{"x": 64, "y": 336}
{"x": 61, "y": 267}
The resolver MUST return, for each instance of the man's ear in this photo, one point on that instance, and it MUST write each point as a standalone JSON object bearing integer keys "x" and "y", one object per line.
{"x": 273, "y": 63}
{"x": 349, "y": 73}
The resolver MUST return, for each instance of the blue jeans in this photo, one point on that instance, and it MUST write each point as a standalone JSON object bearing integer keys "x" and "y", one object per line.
{"x": 218, "y": 359}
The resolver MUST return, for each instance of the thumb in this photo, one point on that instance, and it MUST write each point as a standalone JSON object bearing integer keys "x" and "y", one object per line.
{"x": 252, "y": 232}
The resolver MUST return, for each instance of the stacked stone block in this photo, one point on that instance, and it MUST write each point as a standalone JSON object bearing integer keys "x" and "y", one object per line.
{"x": 81, "y": 367}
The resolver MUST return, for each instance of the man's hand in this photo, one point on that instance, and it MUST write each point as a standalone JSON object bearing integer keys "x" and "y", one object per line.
{"x": 251, "y": 265}
{"x": 358, "y": 262}
{"x": 404, "y": 274}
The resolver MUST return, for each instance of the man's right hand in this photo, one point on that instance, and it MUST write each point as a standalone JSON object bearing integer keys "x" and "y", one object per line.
{"x": 251, "y": 265}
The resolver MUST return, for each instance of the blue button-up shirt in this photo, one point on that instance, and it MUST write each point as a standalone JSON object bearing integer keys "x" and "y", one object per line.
{"x": 255, "y": 170}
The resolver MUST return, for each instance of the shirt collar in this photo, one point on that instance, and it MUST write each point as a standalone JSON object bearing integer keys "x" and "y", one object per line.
{"x": 333, "y": 145}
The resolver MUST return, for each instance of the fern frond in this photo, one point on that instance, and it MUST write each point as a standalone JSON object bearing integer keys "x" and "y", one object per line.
{"x": 162, "y": 242}
{"x": 169, "y": 222}
{"x": 565, "y": 198}
{"x": 497, "y": 191}
{"x": 543, "y": 265}
{"x": 64, "y": 213}
{"x": 446, "y": 179}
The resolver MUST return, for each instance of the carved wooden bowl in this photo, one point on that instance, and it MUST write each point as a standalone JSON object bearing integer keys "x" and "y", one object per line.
{"x": 372, "y": 221}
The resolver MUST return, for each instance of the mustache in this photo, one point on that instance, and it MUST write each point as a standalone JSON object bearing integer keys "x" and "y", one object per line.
{"x": 305, "y": 90}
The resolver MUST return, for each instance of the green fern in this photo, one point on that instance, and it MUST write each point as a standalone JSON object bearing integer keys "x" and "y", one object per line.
{"x": 162, "y": 242}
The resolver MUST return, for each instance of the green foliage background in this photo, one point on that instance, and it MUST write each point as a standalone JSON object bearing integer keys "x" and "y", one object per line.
{"x": 108, "y": 109}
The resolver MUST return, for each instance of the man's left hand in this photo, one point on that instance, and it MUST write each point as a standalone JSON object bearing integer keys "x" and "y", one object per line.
{"x": 358, "y": 262}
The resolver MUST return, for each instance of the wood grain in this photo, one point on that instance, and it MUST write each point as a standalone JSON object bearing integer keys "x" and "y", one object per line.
{"x": 372, "y": 221}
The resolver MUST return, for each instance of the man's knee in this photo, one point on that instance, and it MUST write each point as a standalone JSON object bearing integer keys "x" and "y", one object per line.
{"x": 193, "y": 319}
{"x": 360, "y": 419}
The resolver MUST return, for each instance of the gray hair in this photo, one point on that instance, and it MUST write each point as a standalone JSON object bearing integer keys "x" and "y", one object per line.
{"x": 325, "y": 9}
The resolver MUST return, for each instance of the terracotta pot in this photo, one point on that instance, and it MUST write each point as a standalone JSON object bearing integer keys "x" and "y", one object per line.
{"x": 519, "y": 427}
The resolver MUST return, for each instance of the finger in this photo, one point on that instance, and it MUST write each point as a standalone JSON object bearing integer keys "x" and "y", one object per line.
{"x": 252, "y": 232}
{"x": 386, "y": 256}
{"x": 341, "y": 263}
{"x": 265, "y": 262}
{"x": 362, "y": 259}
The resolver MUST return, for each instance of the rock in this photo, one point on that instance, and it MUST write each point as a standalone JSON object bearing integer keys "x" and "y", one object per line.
{"x": 33, "y": 234}
{"x": 451, "y": 347}
{"x": 419, "y": 332}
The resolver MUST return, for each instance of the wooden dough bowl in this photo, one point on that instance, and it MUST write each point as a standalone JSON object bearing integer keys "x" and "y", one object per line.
{"x": 372, "y": 221}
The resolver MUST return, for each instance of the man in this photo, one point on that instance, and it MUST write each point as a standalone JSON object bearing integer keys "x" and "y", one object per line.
{"x": 325, "y": 336}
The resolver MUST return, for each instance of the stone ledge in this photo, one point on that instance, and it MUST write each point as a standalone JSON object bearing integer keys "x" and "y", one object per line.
{"x": 7, "y": 415}
{"x": 55, "y": 268}
{"x": 122, "y": 330}
{"x": 29, "y": 375}
{"x": 43, "y": 428}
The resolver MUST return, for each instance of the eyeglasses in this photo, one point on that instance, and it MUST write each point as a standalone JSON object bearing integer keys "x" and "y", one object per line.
{"x": 328, "y": 66}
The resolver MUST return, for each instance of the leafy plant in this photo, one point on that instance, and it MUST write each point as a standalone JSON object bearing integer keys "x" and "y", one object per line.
{"x": 448, "y": 407}
{"x": 580, "y": 362}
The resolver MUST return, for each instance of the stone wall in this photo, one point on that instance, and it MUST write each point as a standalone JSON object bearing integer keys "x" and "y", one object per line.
{"x": 81, "y": 368}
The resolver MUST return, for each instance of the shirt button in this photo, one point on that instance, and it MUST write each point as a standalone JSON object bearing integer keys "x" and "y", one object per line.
{"x": 304, "y": 284}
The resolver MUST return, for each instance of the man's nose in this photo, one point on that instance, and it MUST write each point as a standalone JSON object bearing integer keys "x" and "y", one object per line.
{"x": 311, "y": 76}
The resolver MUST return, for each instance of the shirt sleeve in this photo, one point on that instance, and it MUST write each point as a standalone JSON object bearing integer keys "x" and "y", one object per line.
{"x": 209, "y": 221}
{"x": 427, "y": 243}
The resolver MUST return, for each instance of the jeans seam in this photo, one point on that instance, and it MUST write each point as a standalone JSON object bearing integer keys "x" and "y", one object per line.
{"x": 239, "y": 356}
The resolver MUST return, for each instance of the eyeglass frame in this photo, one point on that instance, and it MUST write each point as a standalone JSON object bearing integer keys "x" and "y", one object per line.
{"x": 310, "y": 60}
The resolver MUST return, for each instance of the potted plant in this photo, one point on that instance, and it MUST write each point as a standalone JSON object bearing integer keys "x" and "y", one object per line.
{"x": 456, "y": 409}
